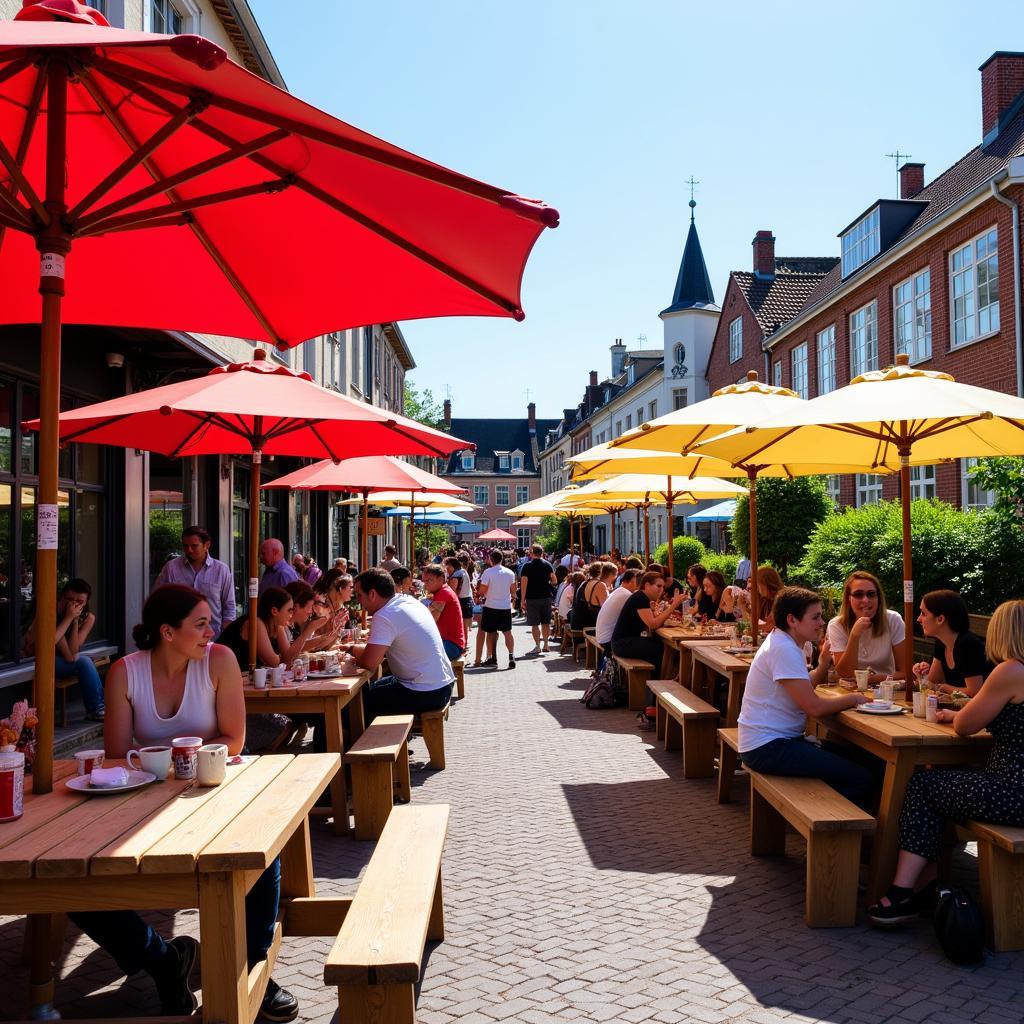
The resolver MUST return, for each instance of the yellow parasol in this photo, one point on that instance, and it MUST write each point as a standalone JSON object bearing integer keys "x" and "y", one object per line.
{"x": 550, "y": 505}
{"x": 887, "y": 419}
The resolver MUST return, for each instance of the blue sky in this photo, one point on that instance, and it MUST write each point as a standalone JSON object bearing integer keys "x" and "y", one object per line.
{"x": 783, "y": 113}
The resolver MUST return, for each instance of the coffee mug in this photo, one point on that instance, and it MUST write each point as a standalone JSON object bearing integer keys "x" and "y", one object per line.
{"x": 212, "y": 764}
{"x": 259, "y": 678}
{"x": 89, "y": 759}
{"x": 277, "y": 676}
{"x": 862, "y": 676}
{"x": 155, "y": 760}
{"x": 184, "y": 751}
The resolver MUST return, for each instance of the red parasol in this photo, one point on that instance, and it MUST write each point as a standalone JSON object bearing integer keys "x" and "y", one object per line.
{"x": 500, "y": 535}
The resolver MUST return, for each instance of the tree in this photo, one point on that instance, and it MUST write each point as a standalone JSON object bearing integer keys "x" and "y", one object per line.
{"x": 553, "y": 534}
{"x": 787, "y": 513}
{"x": 1005, "y": 476}
{"x": 423, "y": 407}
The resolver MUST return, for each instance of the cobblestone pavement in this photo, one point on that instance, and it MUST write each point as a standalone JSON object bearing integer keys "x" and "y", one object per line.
{"x": 585, "y": 880}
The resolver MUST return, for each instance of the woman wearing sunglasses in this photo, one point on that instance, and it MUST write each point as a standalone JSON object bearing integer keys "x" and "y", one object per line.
{"x": 865, "y": 634}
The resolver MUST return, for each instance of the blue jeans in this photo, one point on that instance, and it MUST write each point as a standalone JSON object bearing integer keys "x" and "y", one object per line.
{"x": 387, "y": 696}
{"x": 800, "y": 758}
{"x": 135, "y": 946}
{"x": 453, "y": 650}
{"x": 83, "y": 669}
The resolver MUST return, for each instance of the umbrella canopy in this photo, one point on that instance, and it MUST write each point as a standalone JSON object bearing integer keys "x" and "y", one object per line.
{"x": 528, "y": 523}
{"x": 550, "y": 505}
{"x": 370, "y": 473}
{"x": 439, "y": 518}
{"x": 720, "y": 513}
{"x": 427, "y": 500}
{"x": 890, "y": 419}
{"x": 497, "y": 535}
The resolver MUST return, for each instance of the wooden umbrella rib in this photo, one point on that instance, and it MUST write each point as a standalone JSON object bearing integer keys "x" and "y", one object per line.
{"x": 14, "y": 67}
{"x": 27, "y": 129}
{"x": 24, "y": 186}
{"x": 14, "y": 222}
{"x": 180, "y": 220}
{"x": 136, "y": 156}
{"x": 214, "y": 163}
{"x": 95, "y": 90}
{"x": 314, "y": 428}
{"x": 204, "y": 422}
{"x": 404, "y": 433}
{"x": 76, "y": 434}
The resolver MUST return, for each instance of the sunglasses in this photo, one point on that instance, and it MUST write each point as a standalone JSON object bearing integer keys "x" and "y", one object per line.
{"x": 860, "y": 594}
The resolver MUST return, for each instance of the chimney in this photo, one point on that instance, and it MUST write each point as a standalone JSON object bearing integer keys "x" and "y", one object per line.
{"x": 447, "y": 414}
{"x": 1002, "y": 82}
{"x": 911, "y": 180}
{"x": 531, "y": 416}
{"x": 593, "y": 378}
{"x": 764, "y": 255}
{"x": 618, "y": 357}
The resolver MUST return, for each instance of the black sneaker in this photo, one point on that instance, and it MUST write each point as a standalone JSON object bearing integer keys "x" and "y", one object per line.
{"x": 171, "y": 977}
{"x": 898, "y": 911}
{"x": 490, "y": 663}
{"x": 511, "y": 662}
{"x": 278, "y": 1004}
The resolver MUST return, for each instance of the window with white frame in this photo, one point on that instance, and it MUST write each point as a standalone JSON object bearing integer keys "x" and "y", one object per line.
{"x": 629, "y": 421}
{"x": 974, "y": 282}
{"x": 678, "y": 398}
{"x": 862, "y": 242}
{"x": 639, "y": 415}
{"x": 618, "y": 428}
{"x": 501, "y": 495}
{"x": 501, "y": 524}
{"x": 922, "y": 482}
{"x": 468, "y": 461}
{"x": 798, "y": 370}
{"x": 832, "y": 486}
{"x": 912, "y": 316}
{"x": 173, "y": 17}
{"x": 517, "y": 462}
{"x": 481, "y": 494}
{"x": 522, "y": 494}
{"x": 974, "y": 496}
{"x": 869, "y": 488}
{"x": 309, "y": 357}
{"x": 503, "y": 461}
{"x": 483, "y": 525}
{"x": 652, "y": 410}
{"x": 736, "y": 339}
{"x": 864, "y": 339}
{"x": 777, "y": 373}
{"x": 678, "y": 353}
{"x": 826, "y": 351}
{"x": 523, "y": 539}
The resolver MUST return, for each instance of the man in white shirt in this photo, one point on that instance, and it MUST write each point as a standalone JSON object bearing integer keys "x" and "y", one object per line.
{"x": 609, "y": 613}
{"x": 404, "y": 631}
{"x": 572, "y": 561}
{"x": 497, "y": 585}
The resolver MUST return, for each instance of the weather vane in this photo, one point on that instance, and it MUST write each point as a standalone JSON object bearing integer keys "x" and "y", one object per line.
{"x": 693, "y": 184}
{"x": 897, "y": 157}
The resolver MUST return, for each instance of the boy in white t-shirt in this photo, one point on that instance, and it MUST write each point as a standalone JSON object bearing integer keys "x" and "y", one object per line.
{"x": 497, "y": 585}
{"x": 779, "y": 695}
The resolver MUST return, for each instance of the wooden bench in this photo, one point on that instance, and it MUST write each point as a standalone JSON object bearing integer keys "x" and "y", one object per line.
{"x": 924, "y": 648}
{"x": 376, "y": 959}
{"x": 379, "y": 760}
{"x": 431, "y": 725}
{"x": 728, "y": 758}
{"x": 459, "y": 668}
{"x": 64, "y": 683}
{"x": 594, "y": 651}
{"x": 832, "y": 827}
{"x": 685, "y": 720}
{"x": 637, "y": 674}
{"x": 1001, "y": 874}
{"x": 573, "y": 639}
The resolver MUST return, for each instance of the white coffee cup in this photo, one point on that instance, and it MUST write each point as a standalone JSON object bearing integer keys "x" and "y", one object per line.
{"x": 156, "y": 760}
{"x": 277, "y": 677}
{"x": 862, "y": 675}
{"x": 259, "y": 678}
{"x": 212, "y": 764}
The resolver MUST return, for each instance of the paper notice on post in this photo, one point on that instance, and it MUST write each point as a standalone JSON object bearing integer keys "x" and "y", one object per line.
{"x": 46, "y": 527}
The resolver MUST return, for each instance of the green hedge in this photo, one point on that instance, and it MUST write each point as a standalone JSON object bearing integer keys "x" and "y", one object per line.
{"x": 977, "y": 553}
{"x": 686, "y": 551}
{"x": 725, "y": 564}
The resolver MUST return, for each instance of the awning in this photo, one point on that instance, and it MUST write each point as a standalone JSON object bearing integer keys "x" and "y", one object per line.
{"x": 720, "y": 513}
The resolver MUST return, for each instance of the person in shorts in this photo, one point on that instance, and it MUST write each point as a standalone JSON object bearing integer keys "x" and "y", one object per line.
{"x": 536, "y": 578}
{"x": 497, "y": 585}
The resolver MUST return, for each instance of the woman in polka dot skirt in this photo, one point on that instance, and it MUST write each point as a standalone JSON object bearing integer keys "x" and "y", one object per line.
{"x": 937, "y": 795}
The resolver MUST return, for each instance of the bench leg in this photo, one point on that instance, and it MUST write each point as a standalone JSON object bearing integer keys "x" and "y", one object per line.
{"x": 833, "y": 859}
{"x": 373, "y": 796}
{"x": 1001, "y": 875}
{"x": 591, "y": 661}
{"x": 699, "y": 748}
{"x": 637, "y": 685}
{"x": 767, "y": 828}
{"x": 433, "y": 736}
{"x": 660, "y": 717}
{"x": 403, "y": 781}
{"x": 673, "y": 733}
{"x": 460, "y": 682}
{"x": 727, "y": 759}
{"x": 377, "y": 1004}
{"x": 435, "y": 927}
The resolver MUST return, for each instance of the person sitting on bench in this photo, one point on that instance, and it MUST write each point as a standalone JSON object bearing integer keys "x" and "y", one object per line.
{"x": 639, "y": 617}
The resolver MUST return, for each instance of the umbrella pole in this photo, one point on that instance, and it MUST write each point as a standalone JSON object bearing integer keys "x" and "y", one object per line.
{"x": 668, "y": 512}
{"x": 637, "y": 538}
{"x": 54, "y": 243}
{"x": 647, "y": 533}
{"x": 364, "y": 547}
{"x": 412, "y": 530}
{"x": 755, "y": 594}
{"x": 612, "y": 514}
{"x": 254, "y": 550}
{"x": 908, "y": 570}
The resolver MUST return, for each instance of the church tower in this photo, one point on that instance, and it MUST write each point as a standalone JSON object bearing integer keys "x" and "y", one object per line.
{"x": 690, "y": 321}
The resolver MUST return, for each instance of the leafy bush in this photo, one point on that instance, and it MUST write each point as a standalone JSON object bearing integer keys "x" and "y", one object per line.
{"x": 787, "y": 512}
{"x": 725, "y": 564}
{"x": 685, "y": 552}
{"x": 553, "y": 534}
{"x": 976, "y": 553}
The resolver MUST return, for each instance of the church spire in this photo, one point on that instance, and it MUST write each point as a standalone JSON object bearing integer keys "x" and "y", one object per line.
{"x": 693, "y": 286}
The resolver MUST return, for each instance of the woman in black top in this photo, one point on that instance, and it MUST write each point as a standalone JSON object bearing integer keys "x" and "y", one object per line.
{"x": 701, "y": 603}
{"x": 638, "y": 617}
{"x": 721, "y": 603}
{"x": 958, "y": 662}
{"x": 589, "y": 597}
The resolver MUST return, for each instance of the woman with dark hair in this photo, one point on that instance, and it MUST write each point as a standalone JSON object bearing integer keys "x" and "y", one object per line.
{"x": 273, "y": 615}
{"x": 587, "y": 599}
{"x": 722, "y": 602}
{"x": 700, "y": 602}
{"x": 310, "y": 628}
{"x": 180, "y": 684}
{"x": 865, "y": 634}
{"x": 958, "y": 661}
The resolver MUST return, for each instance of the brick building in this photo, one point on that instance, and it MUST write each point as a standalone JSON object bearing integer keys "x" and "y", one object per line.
{"x": 935, "y": 273}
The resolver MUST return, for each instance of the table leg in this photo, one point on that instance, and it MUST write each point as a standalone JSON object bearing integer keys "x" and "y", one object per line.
{"x": 222, "y": 951}
{"x": 667, "y": 653}
{"x": 885, "y": 846}
{"x": 335, "y": 745}
{"x": 39, "y": 939}
{"x": 356, "y": 717}
{"x": 297, "y": 865}
{"x": 735, "y": 697}
{"x": 685, "y": 667}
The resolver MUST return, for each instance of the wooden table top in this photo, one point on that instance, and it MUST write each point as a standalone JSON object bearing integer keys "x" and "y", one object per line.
{"x": 679, "y": 634}
{"x": 167, "y": 827}
{"x": 335, "y": 685}
{"x": 716, "y": 657}
{"x": 900, "y": 730}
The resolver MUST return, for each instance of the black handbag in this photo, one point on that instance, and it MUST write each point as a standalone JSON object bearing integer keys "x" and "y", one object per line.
{"x": 959, "y": 926}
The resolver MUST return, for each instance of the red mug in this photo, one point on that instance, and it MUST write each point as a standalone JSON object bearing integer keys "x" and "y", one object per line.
{"x": 185, "y": 754}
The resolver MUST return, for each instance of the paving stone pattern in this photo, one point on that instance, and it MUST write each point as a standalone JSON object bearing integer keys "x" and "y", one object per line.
{"x": 585, "y": 880}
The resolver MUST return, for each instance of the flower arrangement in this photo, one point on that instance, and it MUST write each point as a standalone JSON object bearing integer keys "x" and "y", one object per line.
{"x": 18, "y": 731}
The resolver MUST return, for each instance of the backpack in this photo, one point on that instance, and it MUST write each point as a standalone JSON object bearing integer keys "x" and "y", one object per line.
{"x": 600, "y": 694}
{"x": 959, "y": 926}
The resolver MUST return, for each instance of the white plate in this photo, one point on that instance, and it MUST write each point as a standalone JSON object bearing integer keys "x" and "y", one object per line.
{"x": 136, "y": 780}
{"x": 866, "y": 709}
{"x": 740, "y": 650}
{"x": 323, "y": 675}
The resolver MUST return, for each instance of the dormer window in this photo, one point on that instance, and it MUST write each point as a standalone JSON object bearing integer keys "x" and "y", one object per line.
{"x": 503, "y": 460}
{"x": 862, "y": 242}
{"x": 517, "y": 461}
{"x": 631, "y": 373}
{"x": 468, "y": 462}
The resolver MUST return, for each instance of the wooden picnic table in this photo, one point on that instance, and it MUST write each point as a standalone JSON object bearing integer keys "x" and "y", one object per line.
{"x": 709, "y": 660}
{"x": 674, "y": 638}
{"x": 327, "y": 697}
{"x": 171, "y": 846}
{"x": 903, "y": 742}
